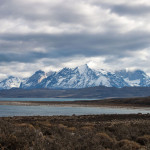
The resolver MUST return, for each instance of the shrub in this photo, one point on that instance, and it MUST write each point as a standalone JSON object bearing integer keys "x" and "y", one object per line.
{"x": 104, "y": 140}
{"x": 25, "y": 125}
{"x": 87, "y": 128}
{"x": 143, "y": 140}
{"x": 71, "y": 129}
{"x": 127, "y": 145}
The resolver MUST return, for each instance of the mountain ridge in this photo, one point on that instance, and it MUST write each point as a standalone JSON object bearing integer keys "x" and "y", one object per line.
{"x": 79, "y": 77}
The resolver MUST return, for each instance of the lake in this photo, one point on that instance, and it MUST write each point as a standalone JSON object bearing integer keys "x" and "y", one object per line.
{"x": 11, "y": 110}
{"x": 43, "y": 99}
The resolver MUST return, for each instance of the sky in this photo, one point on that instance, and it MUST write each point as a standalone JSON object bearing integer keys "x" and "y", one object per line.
{"x": 52, "y": 34}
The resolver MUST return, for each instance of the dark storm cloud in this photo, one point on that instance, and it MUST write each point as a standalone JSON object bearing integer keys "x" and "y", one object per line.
{"x": 68, "y": 45}
{"x": 38, "y": 12}
{"x": 21, "y": 57}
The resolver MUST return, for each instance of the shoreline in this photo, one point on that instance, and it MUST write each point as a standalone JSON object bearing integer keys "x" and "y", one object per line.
{"x": 134, "y": 103}
{"x": 72, "y": 104}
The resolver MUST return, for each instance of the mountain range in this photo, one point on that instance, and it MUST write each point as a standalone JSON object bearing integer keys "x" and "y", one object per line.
{"x": 79, "y": 77}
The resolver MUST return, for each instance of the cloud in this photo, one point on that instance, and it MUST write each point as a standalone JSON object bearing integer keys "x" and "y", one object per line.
{"x": 131, "y": 10}
{"x": 69, "y": 45}
{"x": 61, "y": 32}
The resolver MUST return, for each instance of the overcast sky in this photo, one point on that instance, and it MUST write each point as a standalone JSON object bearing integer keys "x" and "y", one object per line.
{"x": 52, "y": 34}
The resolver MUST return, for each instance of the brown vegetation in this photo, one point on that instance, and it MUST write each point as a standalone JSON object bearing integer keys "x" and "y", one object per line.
{"x": 91, "y": 132}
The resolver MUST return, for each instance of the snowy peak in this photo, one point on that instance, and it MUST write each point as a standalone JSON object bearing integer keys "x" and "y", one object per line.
{"x": 134, "y": 78}
{"x": 10, "y": 82}
{"x": 65, "y": 71}
{"x": 39, "y": 72}
{"x": 79, "y": 77}
{"x": 83, "y": 69}
{"x": 36, "y": 78}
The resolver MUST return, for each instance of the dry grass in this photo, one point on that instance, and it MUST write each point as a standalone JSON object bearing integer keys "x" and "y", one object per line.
{"x": 99, "y": 132}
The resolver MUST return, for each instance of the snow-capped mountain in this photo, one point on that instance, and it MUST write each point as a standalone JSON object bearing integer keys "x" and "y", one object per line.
{"x": 134, "y": 78}
{"x": 83, "y": 76}
{"x": 10, "y": 82}
{"x": 34, "y": 80}
{"x": 79, "y": 77}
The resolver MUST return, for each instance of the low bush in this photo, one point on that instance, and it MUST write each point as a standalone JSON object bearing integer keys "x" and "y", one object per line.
{"x": 75, "y": 133}
{"x": 127, "y": 145}
{"x": 143, "y": 140}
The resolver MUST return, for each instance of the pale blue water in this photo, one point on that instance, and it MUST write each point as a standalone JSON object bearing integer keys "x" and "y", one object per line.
{"x": 10, "y": 110}
{"x": 43, "y": 99}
